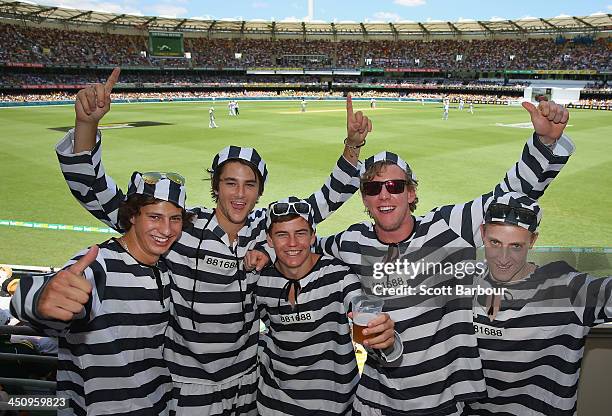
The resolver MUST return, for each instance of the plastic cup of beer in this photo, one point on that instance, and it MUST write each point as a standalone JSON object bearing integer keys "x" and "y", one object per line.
{"x": 365, "y": 309}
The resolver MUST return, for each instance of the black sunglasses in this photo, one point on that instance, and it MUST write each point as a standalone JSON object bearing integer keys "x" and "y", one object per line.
{"x": 503, "y": 211}
{"x": 394, "y": 186}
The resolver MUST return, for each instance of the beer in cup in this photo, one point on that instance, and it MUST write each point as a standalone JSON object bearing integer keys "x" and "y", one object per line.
{"x": 365, "y": 309}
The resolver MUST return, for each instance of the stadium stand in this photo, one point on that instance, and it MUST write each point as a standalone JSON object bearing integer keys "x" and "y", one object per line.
{"x": 51, "y": 52}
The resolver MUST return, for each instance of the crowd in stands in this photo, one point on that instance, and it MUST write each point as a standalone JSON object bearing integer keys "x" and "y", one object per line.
{"x": 38, "y": 77}
{"x": 208, "y": 95}
{"x": 29, "y": 77}
{"x": 169, "y": 96}
{"x": 27, "y": 98}
{"x": 490, "y": 54}
{"x": 599, "y": 86}
{"x": 63, "y": 47}
{"x": 594, "y": 103}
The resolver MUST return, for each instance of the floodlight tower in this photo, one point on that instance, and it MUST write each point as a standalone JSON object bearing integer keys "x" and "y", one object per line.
{"x": 310, "y": 10}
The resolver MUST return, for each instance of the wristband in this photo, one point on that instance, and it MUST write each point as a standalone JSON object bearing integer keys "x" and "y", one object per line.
{"x": 350, "y": 146}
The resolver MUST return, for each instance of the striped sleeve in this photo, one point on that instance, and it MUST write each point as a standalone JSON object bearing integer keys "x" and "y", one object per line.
{"x": 88, "y": 182}
{"x": 531, "y": 175}
{"x": 330, "y": 245}
{"x": 537, "y": 167}
{"x": 593, "y": 298}
{"x": 341, "y": 184}
{"x": 24, "y": 302}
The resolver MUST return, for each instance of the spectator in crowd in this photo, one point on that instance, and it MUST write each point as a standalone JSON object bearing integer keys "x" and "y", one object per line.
{"x": 207, "y": 260}
{"x": 110, "y": 307}
{"x": 440, "y": 350}
{"x": 307, "y": 361}
{"x": 531, "y": 337}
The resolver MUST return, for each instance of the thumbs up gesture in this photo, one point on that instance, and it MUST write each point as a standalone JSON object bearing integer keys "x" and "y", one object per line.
{"x": 67, "y": 291}
{"x": 548, "y": 118}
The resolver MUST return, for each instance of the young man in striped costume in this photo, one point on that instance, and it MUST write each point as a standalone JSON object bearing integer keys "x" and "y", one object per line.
{"x": 307, "y": 360}
{"x": 531, "y": 338}
{"x": 440, "y": 368}
{"x": 110, "y": 307}
{"x": 211, "y": 342}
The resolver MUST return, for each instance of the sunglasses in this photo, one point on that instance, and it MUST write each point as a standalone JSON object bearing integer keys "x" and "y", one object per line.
{"x": 394, "y": 186}
{"x": 522, "y": 215}
{"x": 152, "y": 178}
{"x": 284, "y": 208}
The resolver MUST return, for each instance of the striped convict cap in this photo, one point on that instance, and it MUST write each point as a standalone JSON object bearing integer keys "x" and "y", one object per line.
{"x": 516, "y": 209}
{"x": 393, "y": 158}
{"x": 289, "y": 206}
{"x": 248, "y": 154}
{"x": 165, "y": 186}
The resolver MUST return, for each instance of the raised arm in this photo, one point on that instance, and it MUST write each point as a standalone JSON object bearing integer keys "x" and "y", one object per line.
{"x": 544, "y": 155}
{"x": 80, "y": 154}
{"x": 344, "y": 179}
{"x": 542, "y": 158}
{"x": 357, "y": 128}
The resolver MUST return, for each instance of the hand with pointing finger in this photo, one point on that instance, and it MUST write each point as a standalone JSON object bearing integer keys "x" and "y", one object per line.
{"x": 66, "y": 293}
{"x": 93, "y": 102}
{"x": 549, "y": 119}
{"x": 357, "y": 125}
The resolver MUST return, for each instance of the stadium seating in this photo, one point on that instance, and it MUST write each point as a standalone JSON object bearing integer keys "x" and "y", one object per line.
{"x": 55, "y": 46}
{"x": 43, "y": 63}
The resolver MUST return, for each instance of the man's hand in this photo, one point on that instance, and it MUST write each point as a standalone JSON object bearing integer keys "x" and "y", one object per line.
{"x": 255, "y": 259}
{"x": 549, "y": 120}
{"x": 93, "y": 102}
{"x": 383, "y": 328}
{"x": 357, "y": 125}
{"x": 67, "y": 292}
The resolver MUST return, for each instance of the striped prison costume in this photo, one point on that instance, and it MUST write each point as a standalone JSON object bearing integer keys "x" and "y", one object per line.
{"x": 307, "y": 361}
{"x": 531, "y": 351}
{"x": 214, "y": 325}
{"x": 110, "y": 359}
{"x": 440, "y": 367}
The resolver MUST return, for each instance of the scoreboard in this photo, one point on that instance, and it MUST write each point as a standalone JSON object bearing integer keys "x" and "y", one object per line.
{"x": 166, "y": 44}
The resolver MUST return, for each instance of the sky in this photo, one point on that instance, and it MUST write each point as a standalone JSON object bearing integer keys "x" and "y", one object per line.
{"x": 343, "y": 10}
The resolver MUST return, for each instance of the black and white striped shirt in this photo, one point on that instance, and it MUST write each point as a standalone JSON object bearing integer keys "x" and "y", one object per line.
{"x": 216, "y": 340}
{"x": 531, "y": 351}
{"x": 307, "y": 361}
{"x": 110, "y": 359}
{"x": 440, "y": 365}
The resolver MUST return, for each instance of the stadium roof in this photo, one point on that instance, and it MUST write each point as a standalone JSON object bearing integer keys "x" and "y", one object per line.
{"x": 601, "y": 23}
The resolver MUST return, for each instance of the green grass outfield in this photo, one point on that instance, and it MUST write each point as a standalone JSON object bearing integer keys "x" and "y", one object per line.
{"x": 455, "y": 161}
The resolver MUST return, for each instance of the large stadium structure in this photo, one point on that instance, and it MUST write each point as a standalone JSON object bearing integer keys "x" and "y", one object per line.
{"x": 54, "y": 49}
{"x": 597, "y": 25}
